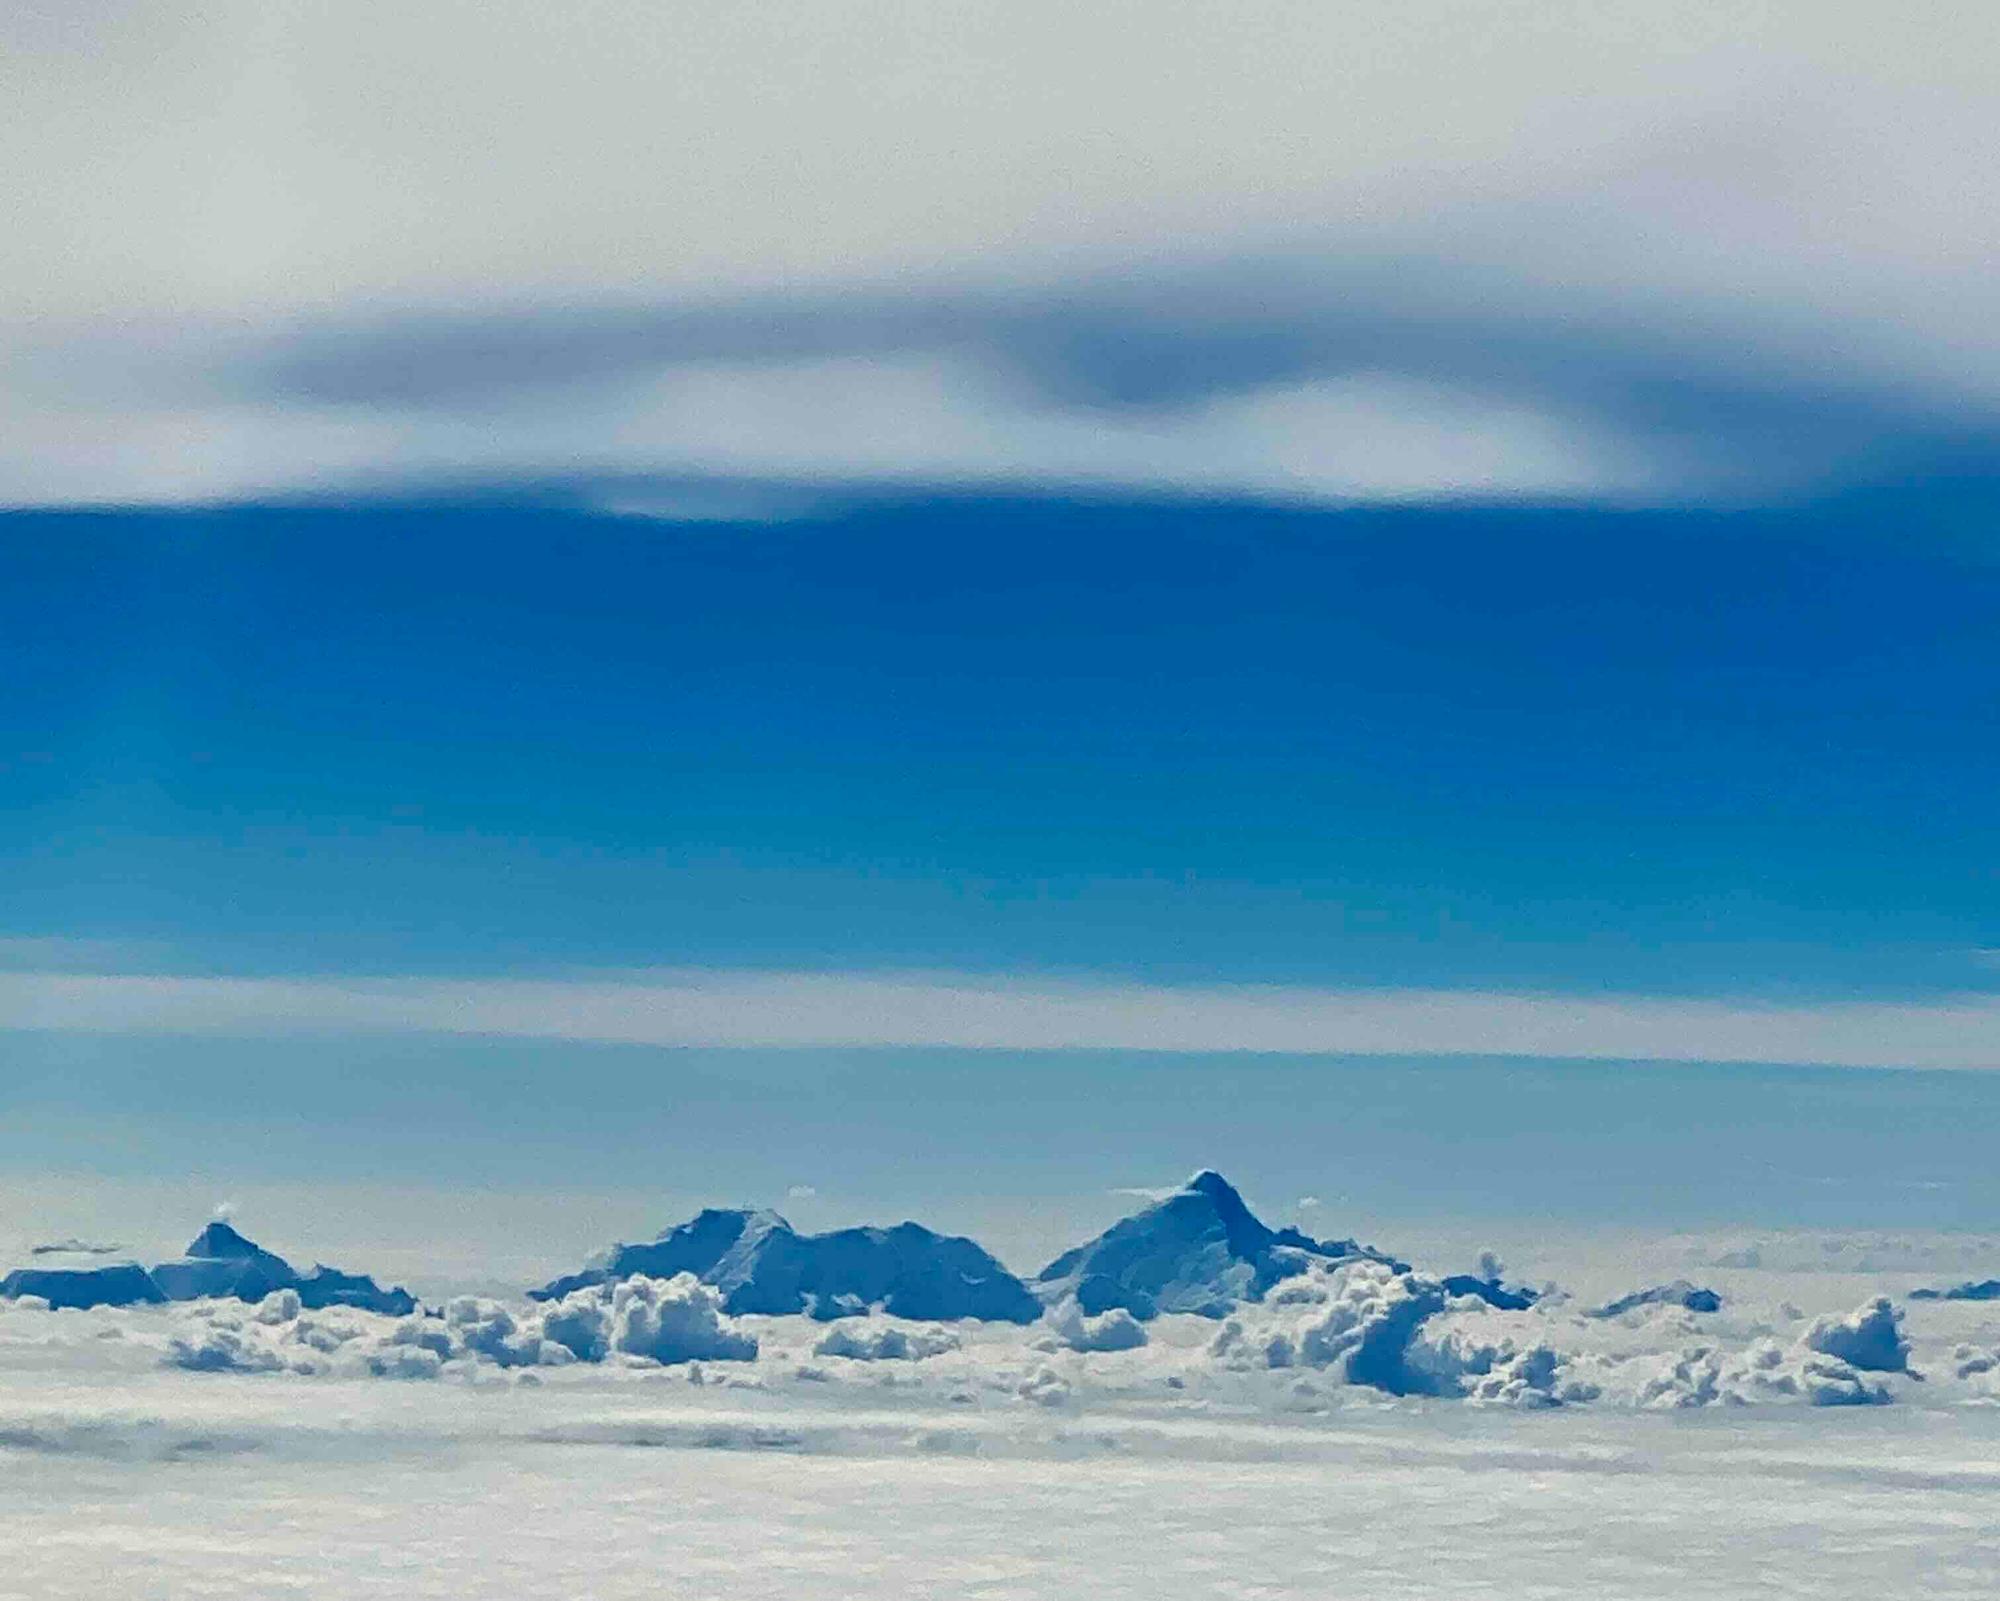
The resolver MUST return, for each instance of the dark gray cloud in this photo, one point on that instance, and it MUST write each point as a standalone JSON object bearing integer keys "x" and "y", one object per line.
{"x": 1742, "y": 410}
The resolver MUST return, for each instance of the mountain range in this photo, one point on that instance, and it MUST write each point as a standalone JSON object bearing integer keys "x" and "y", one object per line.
{"x": 1199, "y": 1249}
{"x": 219, "y": 1264}
{"x": 761, "y": 1263}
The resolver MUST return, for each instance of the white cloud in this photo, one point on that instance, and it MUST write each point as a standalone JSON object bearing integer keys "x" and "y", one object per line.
{"x": 271, "y": 1477}
{"x": 695, "y": 1007}
{"x": 704, "y": 503}
{"x": 885, "y": 1341}
{"x": 1112, "y": 1330}
{"x": 911, "y": 420}
{"x": 1324, "y": 1342}
{"x": 1870, "y": 1338}
{"x": 278, "y": 155}
{"x": 196, "y": 186}
{"x": 663, "y": 1320}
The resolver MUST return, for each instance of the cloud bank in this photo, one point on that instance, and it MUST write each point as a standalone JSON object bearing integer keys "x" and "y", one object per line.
{"x": 1312, "y": 252}
{"x": 1336, "y": 1336}
{"x": 723, "y": 1008}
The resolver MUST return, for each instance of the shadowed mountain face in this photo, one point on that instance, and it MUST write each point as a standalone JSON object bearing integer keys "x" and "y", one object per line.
{"x": 327, "y": 1286}
{"x": 1689, "y": 1297}
{"x": 1981, "y": 1290}
{"x": 1199, "y": 1250}
{"x": 696, "y": 1246}
{"x": 220, "y": 1264}
{"x": 115, "y": 1284}
{"x": 1488, "y": 1288}
{"x": 907, "y": 1270}
{"x": 761, "y": 1264}
{"x": 222, "y": 1243}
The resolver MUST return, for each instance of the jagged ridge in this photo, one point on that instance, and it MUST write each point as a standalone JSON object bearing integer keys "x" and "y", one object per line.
{"x": 1199, "y": 1250}
{"x": 760, "y": 1263}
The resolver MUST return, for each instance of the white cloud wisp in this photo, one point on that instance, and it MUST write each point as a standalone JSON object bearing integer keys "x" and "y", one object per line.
{"x": 741, "y": 1009}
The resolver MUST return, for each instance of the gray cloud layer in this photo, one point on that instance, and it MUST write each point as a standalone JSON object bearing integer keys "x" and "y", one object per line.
{"x": 1355, "y": 250}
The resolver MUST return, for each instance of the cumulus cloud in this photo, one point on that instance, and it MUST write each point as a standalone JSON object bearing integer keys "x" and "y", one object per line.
{"x": 223, "y": 1348}
{"x": 483, "y": 1327}
{"x": 645, "y": 1320}
{"x": 672, "y": 1320}
{"x": 1357, "y": 1319}
{"x": 1320, "y": 1340}
{"x": 663, "y": 1320}
{"x": 1045, "y": 1387}
{"x": 1486, "y": 1371}
{"x": 945, "y": 1474}
{"x": 886, "y": 1342}
{"x": 280, "y": 1306}
{"x": 1369, "y": 1324}
{"x": 274, "y": 1337}
{"x": 1708, "y": 1375}
{"x": 1869, "y": 1338}
{"x": 1113, "y": 1330}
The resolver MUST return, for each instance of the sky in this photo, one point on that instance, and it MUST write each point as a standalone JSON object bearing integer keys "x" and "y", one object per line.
{"x": 945, "y": 605}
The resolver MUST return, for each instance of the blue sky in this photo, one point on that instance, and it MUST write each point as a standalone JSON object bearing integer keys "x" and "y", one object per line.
{"x": 1348, "y": 574}
{"x": 1746, "y": 752}
{"x": 1741, "y": 757}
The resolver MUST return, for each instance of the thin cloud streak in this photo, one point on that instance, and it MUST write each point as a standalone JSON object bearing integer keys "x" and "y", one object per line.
{"x": 916, "y": 422}
{"x": 731, "y": 1009}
